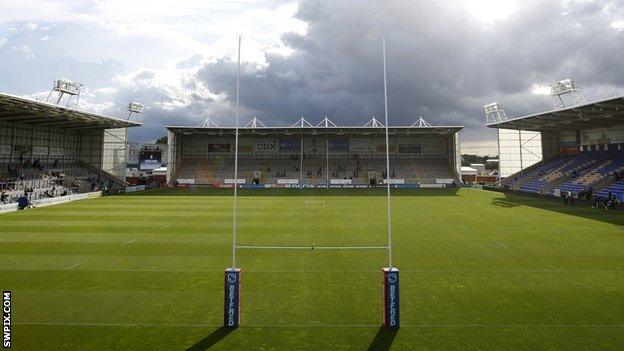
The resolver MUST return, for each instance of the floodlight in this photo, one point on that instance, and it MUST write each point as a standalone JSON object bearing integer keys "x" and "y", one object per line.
{"x": 67, "y": 86}
{"x": 135, "y": 107}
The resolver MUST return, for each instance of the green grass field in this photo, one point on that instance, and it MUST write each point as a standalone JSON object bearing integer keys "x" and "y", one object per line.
{"x": 479, "y": 270}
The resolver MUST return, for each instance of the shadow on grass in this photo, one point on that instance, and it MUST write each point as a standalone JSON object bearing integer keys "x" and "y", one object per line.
{"x": 210, "y": 340}
{"x": 580, "y": 208}
{"x": 295, "y": 192}
{"x": 504, "y": 203}
{"x": 383, "y": 340}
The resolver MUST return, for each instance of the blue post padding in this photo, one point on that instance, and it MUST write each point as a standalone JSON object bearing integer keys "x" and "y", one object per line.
{"x": 231, "y": 312}
{"x": 391, "y": 315}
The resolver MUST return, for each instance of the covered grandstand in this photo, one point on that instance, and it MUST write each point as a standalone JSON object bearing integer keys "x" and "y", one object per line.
{"x": 325, "y": 155}
{"x": 582, "y": 149}
{"x": 47, "y": 150}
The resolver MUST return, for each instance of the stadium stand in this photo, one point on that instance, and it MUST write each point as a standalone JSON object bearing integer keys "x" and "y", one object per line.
{"x": 583, "y": 149}
{"x": 48, "y": 150}
{"x": 344, "y": 155}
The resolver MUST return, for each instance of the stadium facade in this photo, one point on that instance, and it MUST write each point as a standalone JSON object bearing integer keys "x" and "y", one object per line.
{"x": 310, "y": 156}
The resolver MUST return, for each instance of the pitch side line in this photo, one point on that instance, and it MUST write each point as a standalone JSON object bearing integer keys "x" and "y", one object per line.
{"x": 127, "y": 242}
{"x": 329, "y": 325}
{"x": 481, "y": 271}
{"x": 260, "y": 247}
{"x": 74, "y": 266}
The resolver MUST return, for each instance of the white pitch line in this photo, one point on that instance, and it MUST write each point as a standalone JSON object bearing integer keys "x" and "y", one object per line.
{"x": 553, "y": 266}
{"x": 463, "y": 271}
{"x": 128, "y": 242}
{"x": 463, "y": 227}
{"x": 501, "y": 244}
{"x": 74, "y": 266}
{"x": 189, "y": 216}
{"x": 330, "y": 325}
{"x": 311, "y": 247}
{"x": 165, "y": 226}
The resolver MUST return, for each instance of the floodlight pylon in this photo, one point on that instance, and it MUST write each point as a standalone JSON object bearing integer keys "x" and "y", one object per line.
{"x": 494, "y": 113}
{"x": 65, "y": 87}
{"x": 566, "y": 93}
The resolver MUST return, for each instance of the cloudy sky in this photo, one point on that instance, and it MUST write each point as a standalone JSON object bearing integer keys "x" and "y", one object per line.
{"x": 446, "y": 59}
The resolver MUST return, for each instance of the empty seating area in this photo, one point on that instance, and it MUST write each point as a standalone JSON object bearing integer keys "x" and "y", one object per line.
{"x": 38, "y": 180}
{"x": 594, "y": 171}
{"x": 268, "y": 170}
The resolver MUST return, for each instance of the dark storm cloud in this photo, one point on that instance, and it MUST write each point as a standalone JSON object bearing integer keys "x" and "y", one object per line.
{"x": 442, "y": 64}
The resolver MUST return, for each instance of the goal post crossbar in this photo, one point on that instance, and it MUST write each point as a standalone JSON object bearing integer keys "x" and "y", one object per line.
{"x": 311, "y": 247}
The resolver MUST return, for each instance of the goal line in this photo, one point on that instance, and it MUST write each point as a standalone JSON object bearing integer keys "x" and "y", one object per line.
{"x": 311, "y": 247}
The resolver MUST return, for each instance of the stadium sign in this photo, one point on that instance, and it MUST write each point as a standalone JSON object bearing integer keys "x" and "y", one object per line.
{"x": 288, "y": 181}
{"x": 231, "y": 308}
{"x": 55, "y": 151}
{"x": 39, "y": 151}
{"x": 340, "y": 181}
{"x": 186, "y": 181}
{"x": 268, "y": 146}
{"x": 231, "y": 181}
{"x": 409, "y": 148}
{"x": 394, "y": 181}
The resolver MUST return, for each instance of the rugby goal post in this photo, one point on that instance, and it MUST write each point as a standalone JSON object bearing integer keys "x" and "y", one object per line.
{"x": 314, "y": 204}
{"x": 390, "y": 274}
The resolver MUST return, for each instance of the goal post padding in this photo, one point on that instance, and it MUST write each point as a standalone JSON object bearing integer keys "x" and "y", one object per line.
{"x": 390, "y": 303}
{"x": 231, "y": 311}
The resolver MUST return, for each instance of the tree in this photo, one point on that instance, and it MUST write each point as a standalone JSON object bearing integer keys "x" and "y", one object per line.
{"x": 162, "y": 140}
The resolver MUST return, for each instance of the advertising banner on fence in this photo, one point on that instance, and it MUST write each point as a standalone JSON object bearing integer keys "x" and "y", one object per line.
{"x": 340, "y": 181}
{"x": 186, "y": 181}
{"x": 288, "y": 181}
{"x": 231, "y": 181}
{"x": 39, "y": 151}
{"x": 131, "y": 189}
{"x": 444, "y": 181}
{"x": 394, "y": 181}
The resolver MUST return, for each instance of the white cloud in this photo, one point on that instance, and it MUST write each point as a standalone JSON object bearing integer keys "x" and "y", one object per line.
{"x": 27, "y": 50}
{"x": 540, "y": 89}
{"x": 617, "y": 25}
{"x": 31, "y": 26}
{"x": 45, "y": 38}
{"x": 3, "y": 41}
{"x": 479, "y": 147}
